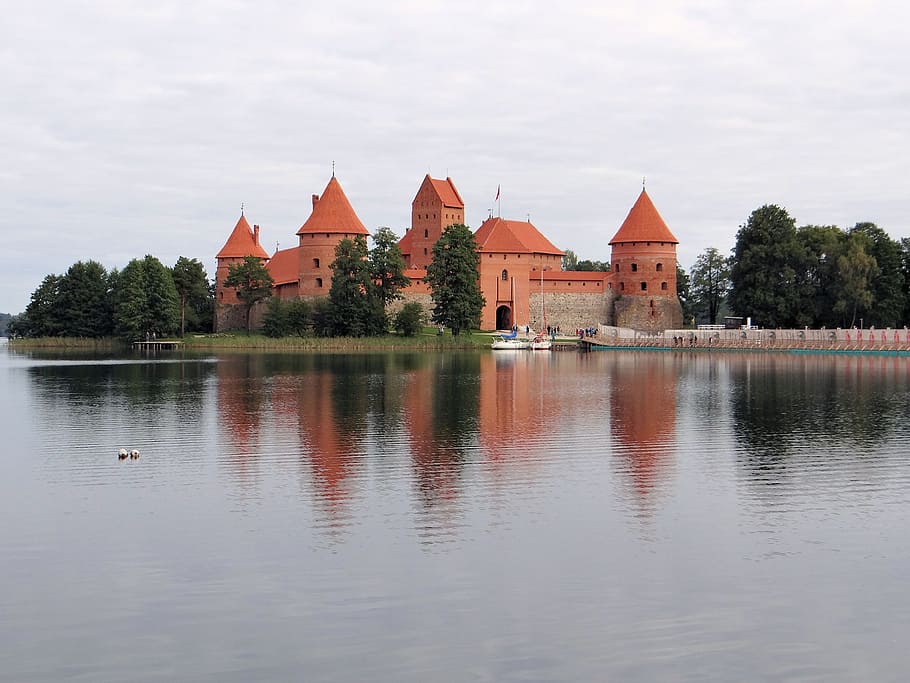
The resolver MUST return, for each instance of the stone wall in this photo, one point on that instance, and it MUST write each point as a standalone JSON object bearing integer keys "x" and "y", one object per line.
{"x": 648, "y": 314}
{"x": 425, "y": 301}
{"x": 572, "y": 310}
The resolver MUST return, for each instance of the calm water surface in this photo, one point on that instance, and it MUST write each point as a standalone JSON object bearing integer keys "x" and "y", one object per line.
{"x": 455, "y": 517}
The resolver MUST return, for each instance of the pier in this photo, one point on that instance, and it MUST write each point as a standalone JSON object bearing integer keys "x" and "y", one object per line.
{"x": 168, "y": 345}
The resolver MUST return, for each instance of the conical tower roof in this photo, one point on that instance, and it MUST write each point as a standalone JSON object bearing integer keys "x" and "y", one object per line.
{"x": 242, "y": 242}
{"x": 332, "y": 212}
{"x": 643, "y": 224}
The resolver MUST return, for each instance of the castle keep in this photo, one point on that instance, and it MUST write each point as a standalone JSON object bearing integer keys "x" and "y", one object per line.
{"x": 520, "y": 269}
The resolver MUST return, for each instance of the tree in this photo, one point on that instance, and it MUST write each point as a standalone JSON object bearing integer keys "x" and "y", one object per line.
{"x": 762, "y": 275}
{"x": 409, "y": 319}
{"x": 145, "y": 299}
{"x": 43, "y": 315}
{"x": 569, "y": 260}
{"x": 905, "y": 269}
{"x": 192, "y": 287}
{"x": 286, "y": 318}
{"x": 590, "y": 266}
{"x": 453, "y": 280}
{"x": 358, "y": 309}
{"x": 84, "y": 301}
{"x": 252, "y": 281}
{"x": 817, "y": 272}
{"x": 855, "y": 269}
{"x": 887, "y": 306}
{"x": 710, "y": 283}
{"x": 387, "y": 266}
{"x": 684, "y": 294}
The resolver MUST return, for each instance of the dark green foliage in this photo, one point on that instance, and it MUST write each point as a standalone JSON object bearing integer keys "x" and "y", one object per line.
{"x": 710, "y": 284}
{"x": 905, "y": 270}
{"x": 286, "y": 318}
{"x": 387, "y": 266}
{"x": 5, "y": 319}
{"x": 84, "y": 301}
{"x": 145, "y": 300}
{"x": 817, "y": 273}
{"x": 194, "y": 291}
{"x": 321, "y": 317}
{"x": 684, "y": 294}
{"x": 589, "y": 266}
{"x": 570, "y": 261}
{"x": 409, "y": 319}
{"x": 43, "y": 316}
{"x": 453, "y": 279}
{"x": 357, "y": 306}
{"x": 887, "y": 285}
{"x": 855, "y": 271}
{"x": 763, "y": 277}
{"x": 252, "y": 281}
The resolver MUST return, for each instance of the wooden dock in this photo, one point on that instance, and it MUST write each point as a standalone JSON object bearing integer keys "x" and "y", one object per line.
{"x": 169, "y": 345}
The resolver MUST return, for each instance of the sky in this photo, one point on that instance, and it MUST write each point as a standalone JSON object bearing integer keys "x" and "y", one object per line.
{"x": 133, "y": 128}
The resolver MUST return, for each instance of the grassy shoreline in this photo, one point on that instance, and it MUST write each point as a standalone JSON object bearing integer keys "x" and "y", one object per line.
{"x": 428, "y": 340}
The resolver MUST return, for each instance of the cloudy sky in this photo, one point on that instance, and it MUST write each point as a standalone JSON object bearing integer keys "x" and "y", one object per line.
{"x": 130, "y": 128}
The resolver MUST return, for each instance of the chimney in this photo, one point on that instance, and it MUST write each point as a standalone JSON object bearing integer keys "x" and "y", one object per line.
{"x": 315, "y": 200}
{"x": 256, "y": 235}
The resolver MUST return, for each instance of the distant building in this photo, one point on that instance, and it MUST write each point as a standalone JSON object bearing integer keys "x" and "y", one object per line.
{"x": 520, "y": 269}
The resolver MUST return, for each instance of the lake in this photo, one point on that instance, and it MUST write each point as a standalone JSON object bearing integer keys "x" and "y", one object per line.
{"x": 621, "y": 516}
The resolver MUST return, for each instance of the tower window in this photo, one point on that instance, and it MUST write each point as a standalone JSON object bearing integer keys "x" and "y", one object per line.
{"x": 616, "y": 267}
{"x": 634, "y": 267}
{"x": 315, "y": 263}
{"x": 319, "y": 282}
{"x": 644, "y": 286}
{"x": 660, "y": 267}
{"x": 505, "y": 275}
{"x": 426, "y": 233}
{"x": 663, "y": 286}
{"x": 622, "y": 286}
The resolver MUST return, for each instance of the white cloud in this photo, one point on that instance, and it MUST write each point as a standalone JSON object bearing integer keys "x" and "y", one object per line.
{"x": 131, "y": 128}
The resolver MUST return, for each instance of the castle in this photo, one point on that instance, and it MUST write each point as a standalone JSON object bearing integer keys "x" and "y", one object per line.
{"x": 520, "y": 271}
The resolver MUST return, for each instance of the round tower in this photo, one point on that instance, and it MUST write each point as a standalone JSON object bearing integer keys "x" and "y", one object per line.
{"x": 643, "y": 263}
{"x": 333, "y": 219}
{"x": 243, "y": 242}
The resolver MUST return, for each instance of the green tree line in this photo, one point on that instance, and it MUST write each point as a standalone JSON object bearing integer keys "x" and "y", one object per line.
{"x": 146, "y": 297}
{"x": 817, "y": 276}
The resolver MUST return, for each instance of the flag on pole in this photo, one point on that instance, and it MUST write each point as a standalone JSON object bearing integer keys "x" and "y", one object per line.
{"x": 497, "y": 194}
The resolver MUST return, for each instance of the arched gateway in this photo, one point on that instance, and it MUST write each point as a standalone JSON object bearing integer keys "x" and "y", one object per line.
{"x": 503, "y": 318}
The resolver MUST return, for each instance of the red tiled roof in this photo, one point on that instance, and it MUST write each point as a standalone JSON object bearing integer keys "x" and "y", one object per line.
{"x": 644, "y": 224}
{"x": 242, "y": 243}
{"x": 447, "y": 193}
{"x": 285, "y": 266}
{"x": 512, "y": 237}
{"x": 405, "y": 242}
{"x": 333, "y": 213}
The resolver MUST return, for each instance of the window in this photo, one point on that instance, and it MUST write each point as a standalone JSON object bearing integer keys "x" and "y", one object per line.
{"x": 660, "y": 267}
{"x": 319, "y": 282}
{"x": 315, "y": 263}
{"x": 426, "y": 233}
{"x": 634, "y": 267}
{"x": 424, "y": 251}
{"x": 622, "y": 286}
{"x": 505, "y": 275}
{"x": 616, "y": 267}
{"x": 644, "y": 286}
{"x": 663, "y": 286}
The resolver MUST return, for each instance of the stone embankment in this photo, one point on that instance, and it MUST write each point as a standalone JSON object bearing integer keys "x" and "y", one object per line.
{"x": 846, "y": 340}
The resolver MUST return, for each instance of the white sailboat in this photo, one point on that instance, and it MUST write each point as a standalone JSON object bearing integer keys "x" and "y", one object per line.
{"x": 541, "y": 342}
